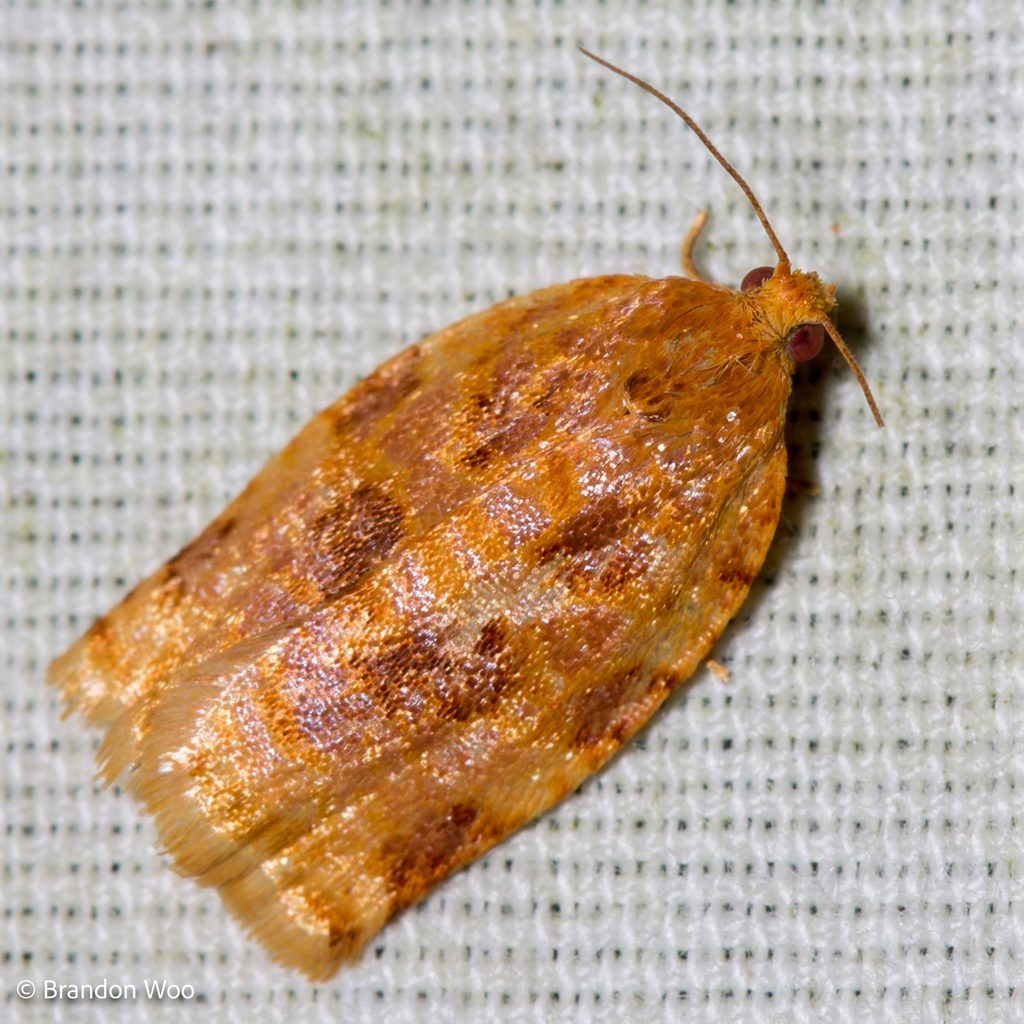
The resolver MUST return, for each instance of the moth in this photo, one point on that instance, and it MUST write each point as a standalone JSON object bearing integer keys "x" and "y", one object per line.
{"x": 456, "y": 593}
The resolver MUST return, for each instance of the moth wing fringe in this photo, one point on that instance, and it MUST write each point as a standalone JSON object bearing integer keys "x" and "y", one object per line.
{"x": 66, "y": 674}
{"x": 145, "y": 767}
{"x": 198, "y": 850}
{"x": 256, "y": 902}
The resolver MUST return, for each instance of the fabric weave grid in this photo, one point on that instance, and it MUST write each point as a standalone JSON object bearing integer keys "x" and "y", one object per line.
{"x": 215, "y": 218}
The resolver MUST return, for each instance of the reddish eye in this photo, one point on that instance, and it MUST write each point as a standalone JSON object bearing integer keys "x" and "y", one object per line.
{"x": 755, "y": 278}
{"x": 805, "y": 342}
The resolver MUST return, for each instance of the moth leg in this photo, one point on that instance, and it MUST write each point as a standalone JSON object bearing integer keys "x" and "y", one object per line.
{"x": 797, "y": 485}
{"x": 718, "y": 670}
{"x": 686, "y": 254}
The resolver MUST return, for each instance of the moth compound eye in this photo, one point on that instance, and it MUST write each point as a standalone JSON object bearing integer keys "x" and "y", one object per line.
{"x": 805, "y": 342}
{"x": 755, "y": 278}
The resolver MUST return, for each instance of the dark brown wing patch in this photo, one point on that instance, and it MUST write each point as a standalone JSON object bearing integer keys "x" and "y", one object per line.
{"x": 357, "y": 531}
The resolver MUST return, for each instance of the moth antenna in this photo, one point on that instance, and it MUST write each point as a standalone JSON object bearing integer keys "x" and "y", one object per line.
{"x": 748, "y": 192}
{"x": 848, "y": 356}
{"x": 736, "y": 176}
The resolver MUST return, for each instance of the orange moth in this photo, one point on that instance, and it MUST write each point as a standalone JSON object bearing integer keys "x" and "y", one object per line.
{"x": 455, "y": 594}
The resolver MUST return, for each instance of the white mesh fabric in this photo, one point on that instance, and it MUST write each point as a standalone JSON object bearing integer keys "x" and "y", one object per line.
{"x": 215, "y": 217}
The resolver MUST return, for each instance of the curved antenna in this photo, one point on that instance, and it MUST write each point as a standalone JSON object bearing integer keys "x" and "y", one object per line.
{"x": 848, "y": 356}
{"x": 783, "y": 258}
{"x": 747, "y": 191}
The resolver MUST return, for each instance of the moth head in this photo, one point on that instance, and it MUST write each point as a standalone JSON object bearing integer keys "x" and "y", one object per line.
{"x": 803, "y": 294}
{"x": 807, "y": 300}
